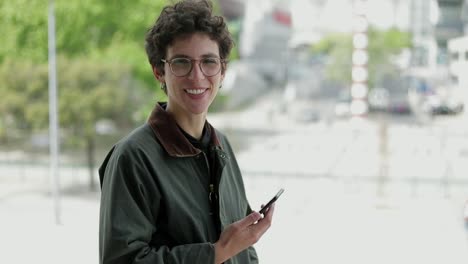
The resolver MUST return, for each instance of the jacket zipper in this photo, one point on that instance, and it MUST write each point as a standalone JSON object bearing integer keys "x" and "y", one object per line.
{"x": 212, "y": 197}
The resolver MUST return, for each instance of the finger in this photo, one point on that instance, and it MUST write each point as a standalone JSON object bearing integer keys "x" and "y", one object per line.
{"x": 265, "y": 223}
{"x": 269, "y": 211}
{"x": 264, "y": 210}
{"x": 251, "y": 219}
{"x": 261, "y": 227}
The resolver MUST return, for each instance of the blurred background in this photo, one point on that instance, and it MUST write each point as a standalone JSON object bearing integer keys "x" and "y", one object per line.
{"x": 356, "y": 108}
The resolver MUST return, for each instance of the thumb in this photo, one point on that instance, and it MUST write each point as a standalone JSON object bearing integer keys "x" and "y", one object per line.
{"x": 249, "y": 220}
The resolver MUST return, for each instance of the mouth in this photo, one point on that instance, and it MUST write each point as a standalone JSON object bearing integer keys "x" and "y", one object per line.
{"x": 195, "y": 91}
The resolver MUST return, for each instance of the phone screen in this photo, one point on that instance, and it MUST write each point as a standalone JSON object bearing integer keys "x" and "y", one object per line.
{"x": 263, "y": 210}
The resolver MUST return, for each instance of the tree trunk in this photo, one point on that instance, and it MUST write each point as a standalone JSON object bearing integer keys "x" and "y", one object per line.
{"x": 90, "y": 149}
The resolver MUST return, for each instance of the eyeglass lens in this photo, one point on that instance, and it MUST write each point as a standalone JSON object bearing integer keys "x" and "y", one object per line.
{"x": 183, "y": 66}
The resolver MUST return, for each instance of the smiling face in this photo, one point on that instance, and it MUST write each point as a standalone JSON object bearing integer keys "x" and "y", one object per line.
{"x": 190, "y": 95}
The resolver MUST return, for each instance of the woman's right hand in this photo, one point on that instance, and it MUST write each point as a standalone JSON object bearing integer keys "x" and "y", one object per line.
{"x": 242, "y": 234}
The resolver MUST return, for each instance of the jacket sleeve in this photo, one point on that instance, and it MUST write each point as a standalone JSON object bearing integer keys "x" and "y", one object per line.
{"x": 128, "y": 213}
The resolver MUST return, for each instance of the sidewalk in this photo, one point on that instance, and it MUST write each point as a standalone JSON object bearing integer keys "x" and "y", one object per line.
{"x": 322, "y": 221}
{"x": 29, "y": 234}
{"x": 316, "y": 221}
{"x": 327, "y": 214}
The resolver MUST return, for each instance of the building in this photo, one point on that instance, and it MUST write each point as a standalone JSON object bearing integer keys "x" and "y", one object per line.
{"x": 232, "y": 9}
{"x": 458, "y": 50}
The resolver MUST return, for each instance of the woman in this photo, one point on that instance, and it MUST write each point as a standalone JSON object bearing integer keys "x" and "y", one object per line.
{"x": 172, "y": 191}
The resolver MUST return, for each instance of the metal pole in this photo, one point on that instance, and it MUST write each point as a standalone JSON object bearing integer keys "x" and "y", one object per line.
{"x": 360, "y": 58}
{"x": 53, "y": 115}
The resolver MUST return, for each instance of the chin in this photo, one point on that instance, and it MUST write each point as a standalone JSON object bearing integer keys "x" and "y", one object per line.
{"x": 199, "y": 110}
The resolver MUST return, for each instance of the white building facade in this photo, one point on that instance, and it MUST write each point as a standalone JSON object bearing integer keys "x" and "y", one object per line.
{"x": 458, "y": 50}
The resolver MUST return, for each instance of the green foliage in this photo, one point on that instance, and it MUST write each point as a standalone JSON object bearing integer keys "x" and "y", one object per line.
{"x": 234, "y": 28}
{"x": 216, "y": 7}
{"x": 105, "y": 29}
{"x": 331, "y": 42}
{"x": 383, "y": 46}
{"x": 23, "y": 89}
{"x": 338, "y": 47}
{"x": 23, "y": 30}
{"x": 91, "y": 33}
{"x": 100, "y": 44}
{"x": 88, "y": 91}
{"x": 103, "y": 71}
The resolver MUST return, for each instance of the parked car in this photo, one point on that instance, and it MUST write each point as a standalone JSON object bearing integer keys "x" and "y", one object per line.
{"x": 392, "y": 91}
{"x": 445, "y": 101}
{"x": 419, "y": 95}
{"x": 398, "y": 103}
{"x": 378, "y": 99}
{"x": 435, "y": 97}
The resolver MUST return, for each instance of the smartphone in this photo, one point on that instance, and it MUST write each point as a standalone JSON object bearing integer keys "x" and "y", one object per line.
{"x": 263, "y": 210}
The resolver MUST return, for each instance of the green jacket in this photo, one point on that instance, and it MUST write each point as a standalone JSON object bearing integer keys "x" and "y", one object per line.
{"x": 155, "y": 205}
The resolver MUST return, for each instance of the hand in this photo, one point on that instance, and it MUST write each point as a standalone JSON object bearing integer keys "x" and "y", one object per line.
{"x": 242, "y": 234}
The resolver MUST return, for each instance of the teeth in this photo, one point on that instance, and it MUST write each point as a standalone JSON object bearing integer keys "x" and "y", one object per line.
{"x": 195, "y": 91}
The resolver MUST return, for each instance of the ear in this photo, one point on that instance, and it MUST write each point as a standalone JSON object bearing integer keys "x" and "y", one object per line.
{"x": 223, "y": 71}
{"x": 158, "y": 74}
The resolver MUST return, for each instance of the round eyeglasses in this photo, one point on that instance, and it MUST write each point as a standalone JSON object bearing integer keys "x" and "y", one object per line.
{"x": 181, "y": 67}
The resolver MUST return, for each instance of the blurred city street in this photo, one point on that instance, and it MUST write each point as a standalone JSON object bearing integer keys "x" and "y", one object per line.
{"x": 349, "y": 196}
{"x": 357, "y": 108}
{"x": 359, "y": 191}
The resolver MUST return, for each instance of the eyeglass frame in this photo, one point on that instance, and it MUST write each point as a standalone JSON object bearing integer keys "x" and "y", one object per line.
{"x": 221, "y": 61}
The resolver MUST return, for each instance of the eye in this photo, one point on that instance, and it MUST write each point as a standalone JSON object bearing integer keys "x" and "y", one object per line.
{"x": 210, "y": 61}
{"x": 180, "y": 62}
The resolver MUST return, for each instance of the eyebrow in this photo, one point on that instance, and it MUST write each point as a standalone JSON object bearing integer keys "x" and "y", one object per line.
{"x": 207, "y": 55}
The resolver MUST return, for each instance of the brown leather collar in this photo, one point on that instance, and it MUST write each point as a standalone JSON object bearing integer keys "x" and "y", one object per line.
{"x": 169, "y": 135}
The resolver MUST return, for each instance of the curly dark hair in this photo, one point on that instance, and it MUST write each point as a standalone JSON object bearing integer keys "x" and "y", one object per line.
{"x": 183, "y": 18}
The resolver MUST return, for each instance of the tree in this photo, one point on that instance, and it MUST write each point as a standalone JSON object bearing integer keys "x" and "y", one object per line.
{"x": 93, "y": 91}
{"x": 337, "y": 48}
{"x": 383, "y": 47}
{"x": 101, "y": 45}
{"x": 23, "y": 89}
{"x": 109, "y": 30}
{"x": 89, "y": 92}
{"x": 102, "y": 70}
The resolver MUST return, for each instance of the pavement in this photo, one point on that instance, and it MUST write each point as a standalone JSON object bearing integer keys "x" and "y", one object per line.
{"x": 316, "y": 221}
{"x": 349, "y": 196}
{"x": 356, "y": 190}
{"x": 324, "y": 221}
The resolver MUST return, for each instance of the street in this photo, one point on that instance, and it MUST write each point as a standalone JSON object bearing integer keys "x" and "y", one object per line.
{"x": 356, "y": 191}
{"x": 386, "y": 189}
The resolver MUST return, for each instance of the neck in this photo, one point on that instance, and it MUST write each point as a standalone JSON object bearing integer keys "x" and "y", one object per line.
{"x": 191, "y": 124}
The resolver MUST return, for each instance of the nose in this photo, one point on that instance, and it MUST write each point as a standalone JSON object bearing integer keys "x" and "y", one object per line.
{"x": 196, "y": 72}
